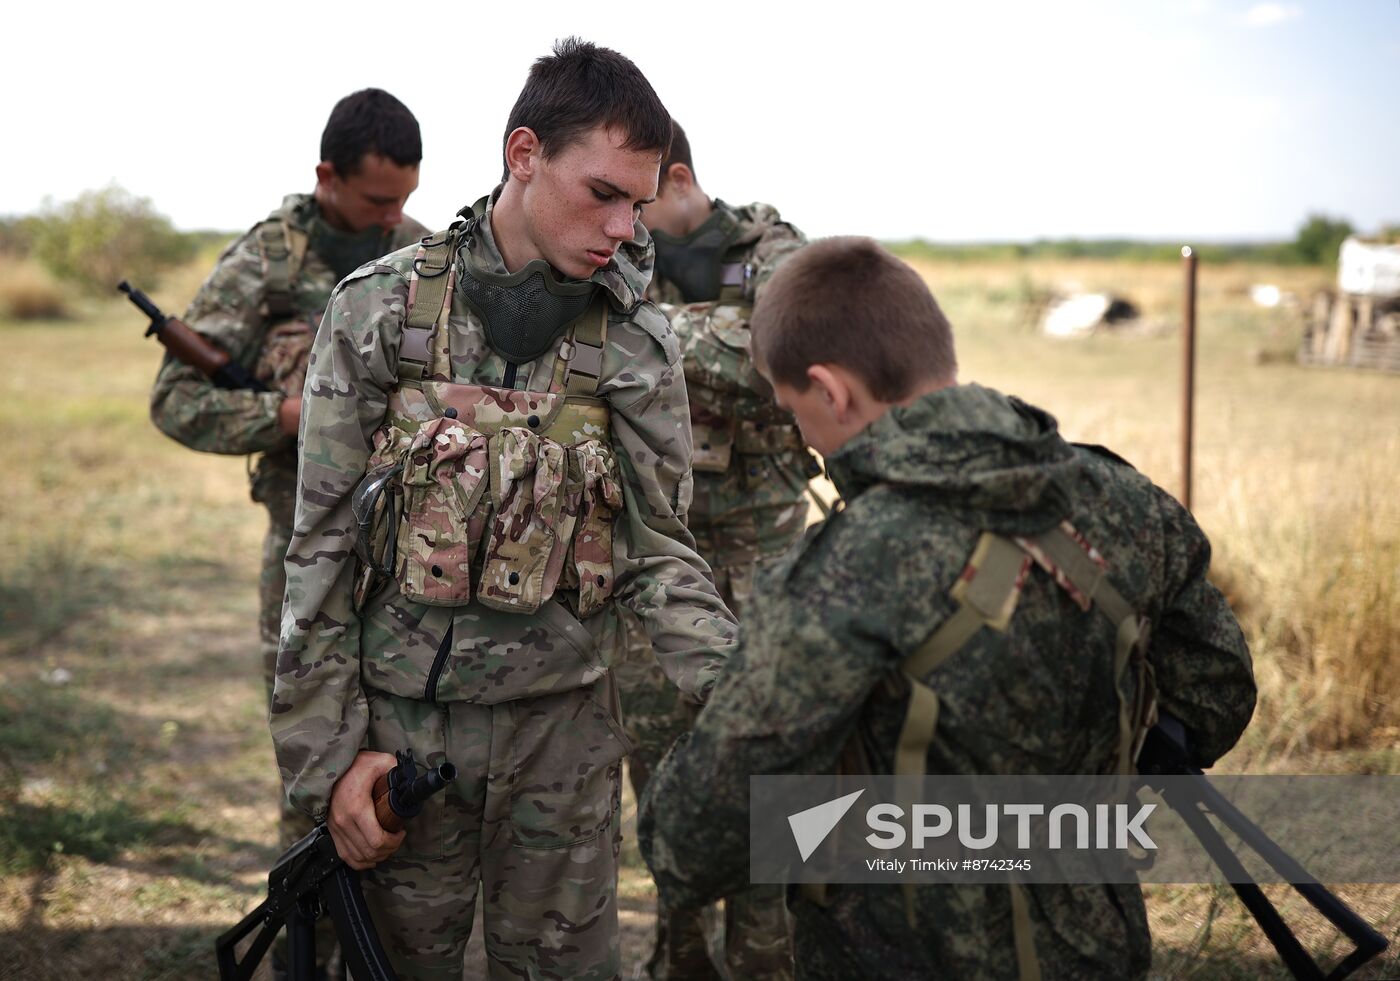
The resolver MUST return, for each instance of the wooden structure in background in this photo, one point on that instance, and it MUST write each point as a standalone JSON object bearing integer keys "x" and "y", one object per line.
{"x": 1358, "y": 324}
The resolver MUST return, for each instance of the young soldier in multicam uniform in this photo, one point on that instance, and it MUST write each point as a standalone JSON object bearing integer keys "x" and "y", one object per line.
{"x": 865, "y": 625}
{"x": 751, "y": 471}
{"x": 261, "y": 304}
{"x": 504, "y": 405}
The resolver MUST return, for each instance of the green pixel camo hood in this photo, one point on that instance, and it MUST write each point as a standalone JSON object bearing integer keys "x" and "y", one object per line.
{"x": 1010, "y": 469}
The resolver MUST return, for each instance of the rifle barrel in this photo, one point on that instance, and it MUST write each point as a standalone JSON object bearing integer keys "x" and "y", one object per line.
{"x": 143, "y": 303}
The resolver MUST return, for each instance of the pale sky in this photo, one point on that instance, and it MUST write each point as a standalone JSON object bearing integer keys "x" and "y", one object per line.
{"x": 1202, "y": 120}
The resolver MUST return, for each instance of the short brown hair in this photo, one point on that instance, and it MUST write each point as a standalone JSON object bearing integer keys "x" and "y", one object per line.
{"x": 679, "y": 152}
{"x": 582, "y": 86}
{"x": 847, "y": 301}
{"x": 370, "y": 121}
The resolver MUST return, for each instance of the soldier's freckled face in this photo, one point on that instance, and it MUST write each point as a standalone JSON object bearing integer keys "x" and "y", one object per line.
{"x": 581, "y": 203}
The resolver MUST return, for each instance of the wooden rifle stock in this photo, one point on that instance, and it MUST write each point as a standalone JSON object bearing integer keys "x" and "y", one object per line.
{"x": 189, "y": 347}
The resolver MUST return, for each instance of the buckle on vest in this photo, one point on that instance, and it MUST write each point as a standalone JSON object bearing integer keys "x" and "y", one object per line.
{"x": 584, "y": 359}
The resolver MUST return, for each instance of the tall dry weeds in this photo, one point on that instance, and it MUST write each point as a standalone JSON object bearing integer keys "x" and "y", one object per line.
{"x": 1320, "y": 602}
{"x": 27, "y": 292}
{"x": 1297, "y": 470}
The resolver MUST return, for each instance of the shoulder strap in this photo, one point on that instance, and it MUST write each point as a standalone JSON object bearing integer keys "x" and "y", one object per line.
{"x": 283, "y": 250}
{"x": 429, "y": 295}
{"x": 987, "y": 592}
{"x": 579, "y": 366}
{"x": 1081, "y": 571}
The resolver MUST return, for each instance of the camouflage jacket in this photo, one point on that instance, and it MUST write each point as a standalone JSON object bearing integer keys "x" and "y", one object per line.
{"x": 328, "y": 650}
{"x": 863, "y": 591}
{"x": 751, "y": 468}
{"x": 230, "y": 310}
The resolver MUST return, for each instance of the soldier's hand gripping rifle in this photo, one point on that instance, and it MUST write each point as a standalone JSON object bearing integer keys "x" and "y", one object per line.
{"x": 1165, "y": 753}
{"x": 310, "y": 880}
{"x": 187, "y": 346}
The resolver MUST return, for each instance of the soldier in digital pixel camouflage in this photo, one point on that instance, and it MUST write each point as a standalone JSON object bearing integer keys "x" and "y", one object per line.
{"x": 867, "y": 645}
{"x": 751, "y": 471}
{"x": 494, "y": 481}
{"x": 262, "y": 303}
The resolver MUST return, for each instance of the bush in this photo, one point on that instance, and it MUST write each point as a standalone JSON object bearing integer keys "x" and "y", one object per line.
{"x": 103, "y": 237}
{"x": 27, "y": 292}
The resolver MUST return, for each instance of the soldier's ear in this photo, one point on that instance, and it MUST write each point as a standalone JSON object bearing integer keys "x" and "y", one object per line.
{"x": 523, "y": 152}
{"x": 325, "y": 174}
{"x": 833, "y": 387}
{"x": 678, "y": 178}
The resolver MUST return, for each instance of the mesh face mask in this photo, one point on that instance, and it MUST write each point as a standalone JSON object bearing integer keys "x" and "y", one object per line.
{"x": 345, "y": 252}
{"x": 524, "y": 312}
{"x": 693, "y": 262}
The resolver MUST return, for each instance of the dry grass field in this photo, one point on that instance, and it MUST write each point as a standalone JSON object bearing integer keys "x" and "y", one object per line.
{"x": 136, "y": 775}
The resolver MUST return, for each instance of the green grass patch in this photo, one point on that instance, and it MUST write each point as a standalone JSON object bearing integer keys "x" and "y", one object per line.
{"x": 88, "y": 825}
{"x": 43, "y": 724}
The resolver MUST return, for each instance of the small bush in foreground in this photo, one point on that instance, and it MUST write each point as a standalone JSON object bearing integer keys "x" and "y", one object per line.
{"x": 27, "y": 292}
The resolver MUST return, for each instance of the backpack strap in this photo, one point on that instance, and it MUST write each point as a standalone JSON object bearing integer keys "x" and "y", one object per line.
{"x": 283, "y": 250}
{"x": 987, "y": 592}
{"x": 1082, "y": 572}
{"x": 429, "y": 296}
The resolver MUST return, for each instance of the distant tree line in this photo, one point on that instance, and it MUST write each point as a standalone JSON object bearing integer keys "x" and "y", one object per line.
{"x": 1316, "y": 244}
{"x": 106, "y": 235}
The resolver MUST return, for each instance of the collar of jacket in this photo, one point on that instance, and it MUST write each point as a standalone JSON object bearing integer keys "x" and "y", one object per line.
{"x": 751, "y": 221}
{"x": 298, "y": 210}
{"x": 996, "y": 459}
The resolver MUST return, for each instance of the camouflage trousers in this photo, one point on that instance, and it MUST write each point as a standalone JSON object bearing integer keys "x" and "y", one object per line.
{"x": 530, "y": 822}
{"x": 292, "y": 825}
{"x": 757, "y": 929}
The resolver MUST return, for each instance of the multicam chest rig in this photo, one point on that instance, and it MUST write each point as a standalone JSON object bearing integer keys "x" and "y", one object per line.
{"x": 492, "y": 493}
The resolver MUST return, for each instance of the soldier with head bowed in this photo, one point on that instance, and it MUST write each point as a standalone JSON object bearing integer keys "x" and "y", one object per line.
{"x": 494, "y": 484}
{"x": 991, "y": 599}
{"x": 751, "y": 472}
{"x": 262, "y": 303}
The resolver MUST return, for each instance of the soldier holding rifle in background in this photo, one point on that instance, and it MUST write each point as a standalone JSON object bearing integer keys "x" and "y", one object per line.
{"x": 751, "y": 471}
{"x": 261, "y": 306}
